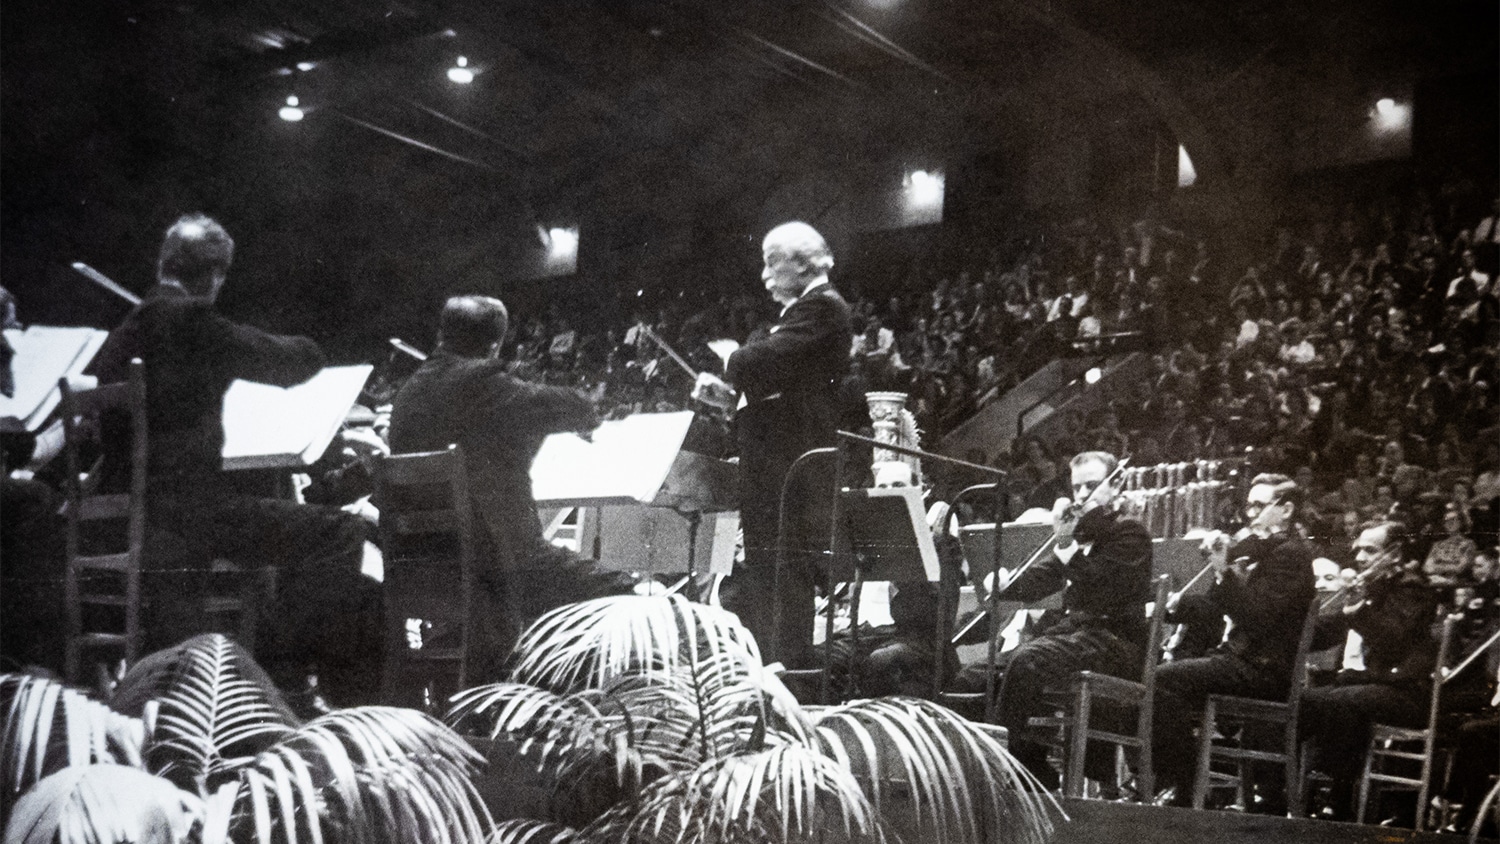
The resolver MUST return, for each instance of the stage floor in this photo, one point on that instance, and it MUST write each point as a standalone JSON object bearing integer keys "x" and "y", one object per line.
{"x": 1101, "y": 822}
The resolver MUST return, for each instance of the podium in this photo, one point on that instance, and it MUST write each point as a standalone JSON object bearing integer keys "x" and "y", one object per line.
{"x": 648, "y": 496}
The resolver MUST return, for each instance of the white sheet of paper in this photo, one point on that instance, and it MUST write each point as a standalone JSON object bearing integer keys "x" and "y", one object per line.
{"x": 272, "y": 427}
{"x": 627, "y": 461}
{"x": 44, "y": 353}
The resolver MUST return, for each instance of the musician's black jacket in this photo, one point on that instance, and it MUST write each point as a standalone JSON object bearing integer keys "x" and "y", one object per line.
{"x": 1106, "y": 586}
{"x": 1395, "y": 621}
{"x": 790, "y": 378}
{"x": 1269, "y": 603}
{"x": 500, "y": 422}
{"x": 192, "y": 353}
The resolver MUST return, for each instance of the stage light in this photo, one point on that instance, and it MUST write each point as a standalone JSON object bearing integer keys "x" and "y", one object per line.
{"x": 1186, "y": 173}
{"x": 1093, "y": 375}
{"x": 924, "y": 188}
{"x": 306, "y": 66}
{"x": 291, "y": 112}
{"x": 460, "y": 72}
{"x": 1391, "y": 115}
{"x": 563, "y": 243}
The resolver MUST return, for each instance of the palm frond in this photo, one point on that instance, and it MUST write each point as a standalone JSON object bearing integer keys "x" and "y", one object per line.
{"x": 103, "y": 804}
{"x": 786, "y": 793}
{"x": 212, "y": 717}
{"x": 958, "y": 781}
{"x": 368, "y": 774}
{"x": 526, "y": 831}
{"x": 49, "y": 726}
{"x": 154, "y": 674}
{"x": 588, "y": 643}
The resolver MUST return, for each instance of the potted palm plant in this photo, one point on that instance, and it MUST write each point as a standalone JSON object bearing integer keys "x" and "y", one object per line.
{"x": 195, "y": 744}
{"x": 653, "y": 719}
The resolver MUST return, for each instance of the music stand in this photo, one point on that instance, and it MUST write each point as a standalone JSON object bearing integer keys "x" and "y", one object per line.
{"x": 878, "y": 534}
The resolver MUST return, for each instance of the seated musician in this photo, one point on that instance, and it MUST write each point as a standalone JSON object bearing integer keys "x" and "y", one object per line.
{"x": 1384, "y": 627}
{"x": 1263, "y": 583}
{"x": 462, "y": 394}
{"x": 326, "y": 613}
{"x": 1102, "y": 564}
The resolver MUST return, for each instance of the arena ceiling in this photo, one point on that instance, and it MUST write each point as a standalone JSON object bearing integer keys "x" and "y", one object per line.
{"x": 648, "y": 113}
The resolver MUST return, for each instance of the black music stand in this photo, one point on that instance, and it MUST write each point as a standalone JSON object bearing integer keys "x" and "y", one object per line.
{"x": 878, "y": 534}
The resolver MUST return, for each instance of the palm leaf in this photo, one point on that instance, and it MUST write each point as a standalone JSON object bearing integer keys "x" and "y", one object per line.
{"x": 786, "y": 793}
{"x": 958, "y": 781}
{"x": 368, "y": 774}
{"x": 525, "y": 831}
{"x": 103, "y": 804}
{"x": 212, "y": 717}
{"x": 49, "y": 726}
{"x": 586, "y": 644}
{"x": 154, "y": 674}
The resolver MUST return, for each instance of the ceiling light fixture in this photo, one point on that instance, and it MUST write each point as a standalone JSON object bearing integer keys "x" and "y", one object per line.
{"x": 460, "y": 72}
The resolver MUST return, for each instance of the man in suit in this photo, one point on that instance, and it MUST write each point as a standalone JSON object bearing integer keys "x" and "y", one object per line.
{"x": 1386, "y": 663}
{"x": 789, "y": 379}
{"x": 1102, "y": 566}
{"x": 463, "y": 394}
{"x": 326, "y": 613}
{"x": 1264, "y": 583}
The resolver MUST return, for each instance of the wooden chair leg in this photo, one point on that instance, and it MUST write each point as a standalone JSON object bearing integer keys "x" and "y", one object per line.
{"x": 1205, "y": 744}
{"x": 1425, "y": 787}
{"x": 1364, "y": 783}
{"x": 1078, "y": 743}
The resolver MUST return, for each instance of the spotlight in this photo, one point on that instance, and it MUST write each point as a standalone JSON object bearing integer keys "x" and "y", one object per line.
{"x": 290, "y": 112}
{"x": 1093, "y": 375}
{"x": 1391, "y": 115}
{"x": 564, "y": 243}
{"x": 924, "y": 188}
{"x": 460, "y": 72}
{"x": 306, "y": 66}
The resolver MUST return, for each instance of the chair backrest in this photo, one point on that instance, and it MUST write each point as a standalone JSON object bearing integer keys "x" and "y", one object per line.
{"x": 1163, "y": 588}
{"x": 1304, "y": 651}
{"x": 84, "y": 411}
{"x": 1439, "y": 671}
{"x": 426, "y": 527}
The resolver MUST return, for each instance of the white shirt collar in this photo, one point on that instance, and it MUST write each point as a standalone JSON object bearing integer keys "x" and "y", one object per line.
{"x": 806, "y": 290}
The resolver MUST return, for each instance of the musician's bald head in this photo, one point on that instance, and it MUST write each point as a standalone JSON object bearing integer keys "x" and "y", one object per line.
{"x": 473, "y": 326}
{"x": 195, "y": 254}
{"x": 796, "y": 256}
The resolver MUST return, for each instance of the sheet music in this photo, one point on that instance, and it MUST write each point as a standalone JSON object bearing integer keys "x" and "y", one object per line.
{"x": 43, "y": 354}
{"x": 266, "y": 426}
{"x": 627, "y": 462}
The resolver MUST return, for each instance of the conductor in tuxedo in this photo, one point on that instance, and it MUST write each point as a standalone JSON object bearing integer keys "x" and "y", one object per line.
{"x": 789, "y": 378}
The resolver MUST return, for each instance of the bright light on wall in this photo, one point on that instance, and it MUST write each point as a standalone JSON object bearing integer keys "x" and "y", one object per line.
{"x": 291, "y": 112}
{"x": 461, "y": 72}
{"x": 1186, "y": 174}
{"x": 562, "y": 243}
{"x": 1391, "y": 115}
{"x": 924, "y": 189}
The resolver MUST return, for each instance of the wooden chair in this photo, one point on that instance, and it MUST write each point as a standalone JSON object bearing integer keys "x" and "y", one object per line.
{"x": 427, "y": 531}
{"x": 98, "y": 580}
{"x": 1407, "y": 744}
{"x": 1090, "y": 686}
{"x": 105, "y": 595}
{"x": 1227, "y": 712}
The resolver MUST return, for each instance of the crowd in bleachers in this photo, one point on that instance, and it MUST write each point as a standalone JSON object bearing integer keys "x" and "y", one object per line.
{"x": 1354, "y": 349}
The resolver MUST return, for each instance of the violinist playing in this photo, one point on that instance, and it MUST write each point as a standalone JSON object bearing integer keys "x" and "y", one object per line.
{"x": 1263, "y": 583}
{"x": 1102, "y": 564}
{"x": 1385, "y": 629}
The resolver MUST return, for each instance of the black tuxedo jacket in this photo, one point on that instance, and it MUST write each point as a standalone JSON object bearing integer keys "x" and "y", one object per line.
{"x": 790, "y": 378}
